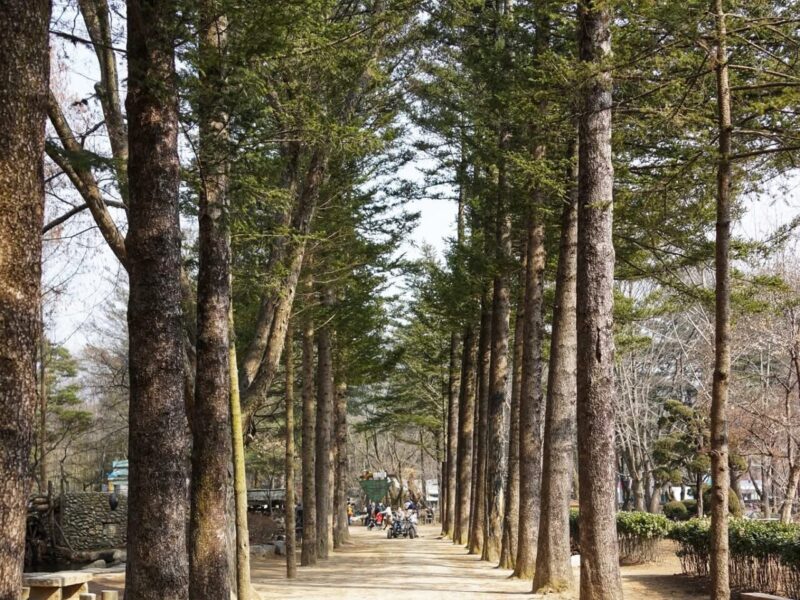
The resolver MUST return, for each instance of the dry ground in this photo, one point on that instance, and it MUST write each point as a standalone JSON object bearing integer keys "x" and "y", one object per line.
{"x": 428, "y": 568}
{"x": 373, "y": 567}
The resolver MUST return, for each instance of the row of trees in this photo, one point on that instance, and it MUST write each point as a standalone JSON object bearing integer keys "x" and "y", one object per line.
{"x": 520, "y": 112}
{"x": 267, "y": 135}
{"x": 278, "y": 130}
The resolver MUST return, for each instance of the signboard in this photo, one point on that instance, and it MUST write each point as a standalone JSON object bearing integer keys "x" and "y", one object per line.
{"x": 375, "y": 489}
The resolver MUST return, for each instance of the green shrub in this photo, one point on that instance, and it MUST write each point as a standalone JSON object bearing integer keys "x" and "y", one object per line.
{"x": 642, "y": 525}
{"x": 734, "y": 506}
{"x": 764, "y": 555}
{"x": 691, "y": 507}
{"x": 638, "y": 534}
{"x": 693, "y": 545}
{"x": 676, "y": 511}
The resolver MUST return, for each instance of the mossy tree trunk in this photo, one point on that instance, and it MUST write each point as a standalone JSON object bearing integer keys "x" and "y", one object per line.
{"x": 24, "y": 69}
{"x": 157, "y": 565}
{"x": 478, "y": 512}
{"x": 308, "y": 554}
{"x": 291, "y": 555}
{"x": 209, "y": 564}
{"x": 531, "y": 401}
{"x": 341, "y": 529}
{"x": 466, "y": 418}
{"x": 553, "y": 570}
{"x": 720, "y": 477}
{"x": 595, "y": 300}
{"x": 324, "y": 442}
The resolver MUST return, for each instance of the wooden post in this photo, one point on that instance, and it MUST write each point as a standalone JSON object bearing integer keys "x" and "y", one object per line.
{"x": 109, "y": 595}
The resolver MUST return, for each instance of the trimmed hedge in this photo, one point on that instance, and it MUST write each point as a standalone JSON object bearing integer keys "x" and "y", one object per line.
{"x": 638, "y": 534}
{"x": 765, "y": 555}
{"x": 676, "y": 511}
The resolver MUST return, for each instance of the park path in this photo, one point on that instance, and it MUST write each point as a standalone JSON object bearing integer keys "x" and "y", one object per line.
{"x": 430, "y": 568}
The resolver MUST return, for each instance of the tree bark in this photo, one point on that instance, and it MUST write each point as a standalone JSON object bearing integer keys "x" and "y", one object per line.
{"x": 209, "y": 565}
{"x": 553, "y": 570}
{"x": 595, "y": 286}
{"x": 496, "y": 467}
{"x": 341, "y": 529}
{"x": 157, "y": 565}
{"x": 324, "y": 443}
{"x": 42, "y": 442}
{"x": 448, "y": 515}
{"x": 531, "y": 401}
{"x": 24, "y": 71}
{"x": 466, "y": 418}
{"x": 508, "y": 549}
{"x": 766, "y": 486}
{"x": 477, "y": 516}
{"x": 244, "y": 589}
{"x": 790, "y": 493}
{"x": 291, "y": 555}
{"x": 308, "y": 554}
{"x": 720, "y": 478}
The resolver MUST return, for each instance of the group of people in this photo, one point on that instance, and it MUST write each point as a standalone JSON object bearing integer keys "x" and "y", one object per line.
{"x": 381, "y": 515}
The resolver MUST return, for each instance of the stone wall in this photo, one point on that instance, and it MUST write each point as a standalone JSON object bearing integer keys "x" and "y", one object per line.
{"x": 88, "y": 523}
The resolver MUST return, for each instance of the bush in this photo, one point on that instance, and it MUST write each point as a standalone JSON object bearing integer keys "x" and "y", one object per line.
{"x": 765, "y": 555}
{"x": 676, "y": 511}
{"x": 638, "y": 534}
{"x": 734, "y": 506}
{"x": 691, "y": 507}
{"x": 693, "y": 545}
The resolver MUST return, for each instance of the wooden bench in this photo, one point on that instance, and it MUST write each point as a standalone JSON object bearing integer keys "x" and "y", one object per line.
{"x": 64, "y": 585}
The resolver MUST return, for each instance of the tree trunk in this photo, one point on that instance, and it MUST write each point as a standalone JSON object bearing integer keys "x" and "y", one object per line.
{"x": 341, "y": 530}
{"x": 477, "y": 516}
{"x": 698, "y": 494}
{"x": 448, "y": 514}
{"x": 308, "y": 554}
{"x": 790, "y": 493}
{"x": 553, "y": 570}
{"x": 466, "y": 418}
{"x": 209, "y": 566}
{"x": 498, "y": 379}
{"x": 24, "y": 69}
{"x": 42, "y": 442}
{"x": 244, "y": 589}
{"x": 291, "y": 554}
{"x": 637, "y": 486}
{"x": 508, "y": 549}
{"x": 157, "y": 564}
{"x": 324, "y": 443}
{"x": 720, "y": 479}
{"x": 766, "y": 486}
{"x": 595, "y": 300}
{"x": 531, "y": 401}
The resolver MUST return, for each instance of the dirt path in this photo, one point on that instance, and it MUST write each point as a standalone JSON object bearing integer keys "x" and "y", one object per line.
{"x": 428, "y": 568}
{"x": 373, "y": 567}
